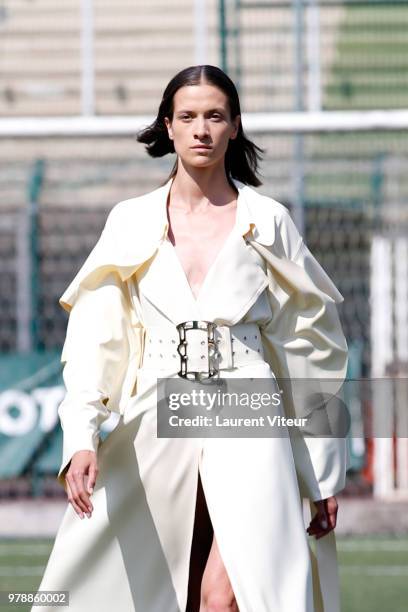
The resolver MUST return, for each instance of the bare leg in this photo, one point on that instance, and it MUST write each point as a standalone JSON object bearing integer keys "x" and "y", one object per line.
{"x": 216, "y": 590}
{"x": 209, "y": 588}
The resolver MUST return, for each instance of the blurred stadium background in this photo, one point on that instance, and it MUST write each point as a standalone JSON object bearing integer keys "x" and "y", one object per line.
{"x": 324, "y": 89}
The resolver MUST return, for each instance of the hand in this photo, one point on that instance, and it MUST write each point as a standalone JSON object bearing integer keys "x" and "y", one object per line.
{"x": 83, "y": 463}
{"x": 326, "y": 517}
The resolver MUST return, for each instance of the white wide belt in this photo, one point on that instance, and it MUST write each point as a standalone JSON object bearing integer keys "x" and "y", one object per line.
{"x": 236, "y": 345}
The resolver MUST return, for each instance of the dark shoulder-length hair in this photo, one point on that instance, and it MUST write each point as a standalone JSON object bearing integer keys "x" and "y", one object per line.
{"x": 242, "y": 155}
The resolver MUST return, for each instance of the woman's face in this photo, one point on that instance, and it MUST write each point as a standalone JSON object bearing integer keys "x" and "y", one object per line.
{"x": 201, "y": 116}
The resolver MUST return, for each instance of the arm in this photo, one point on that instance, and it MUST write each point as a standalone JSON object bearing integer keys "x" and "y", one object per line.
{"x": 97, "y": 353}
{"x": 102, "y": 348}
{"x": 304, "y": 340}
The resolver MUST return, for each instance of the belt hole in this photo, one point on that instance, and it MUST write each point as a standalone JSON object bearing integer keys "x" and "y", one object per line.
{"x": 233, "y": 352}
{"x": 244, "y": 337}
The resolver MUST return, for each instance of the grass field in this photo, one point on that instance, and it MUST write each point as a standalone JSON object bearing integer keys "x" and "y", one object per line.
{"x": 373, "y": 571}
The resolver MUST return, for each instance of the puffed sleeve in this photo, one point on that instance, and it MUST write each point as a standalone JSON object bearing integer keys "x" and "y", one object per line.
{"x": 101, "y": 352}
{"x": 304, "y": 340}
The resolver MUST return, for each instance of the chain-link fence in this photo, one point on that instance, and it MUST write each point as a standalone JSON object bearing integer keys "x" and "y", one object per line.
{"x": 351, "y": 187}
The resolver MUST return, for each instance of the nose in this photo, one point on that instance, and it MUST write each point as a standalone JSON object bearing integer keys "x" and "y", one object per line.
{"x": 201, "y": 128}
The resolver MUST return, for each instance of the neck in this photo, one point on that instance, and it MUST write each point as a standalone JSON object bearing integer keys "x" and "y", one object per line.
{"x": 193, "y": 188}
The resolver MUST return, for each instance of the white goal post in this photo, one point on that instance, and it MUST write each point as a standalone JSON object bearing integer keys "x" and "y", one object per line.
{"x": 281, "y": 122}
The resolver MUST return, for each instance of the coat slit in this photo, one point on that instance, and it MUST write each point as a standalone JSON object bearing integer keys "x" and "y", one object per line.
{"x": 200, "y": 548}
{"x": 222, "y": 545}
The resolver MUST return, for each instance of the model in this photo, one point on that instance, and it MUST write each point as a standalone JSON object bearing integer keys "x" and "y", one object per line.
{"x": 201, "y": 277}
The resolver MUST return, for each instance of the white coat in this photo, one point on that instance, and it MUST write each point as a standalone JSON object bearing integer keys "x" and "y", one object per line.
{"x": 132, "y": 555}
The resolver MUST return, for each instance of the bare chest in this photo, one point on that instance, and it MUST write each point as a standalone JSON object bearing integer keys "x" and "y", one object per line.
{"x": 198, "y": 238}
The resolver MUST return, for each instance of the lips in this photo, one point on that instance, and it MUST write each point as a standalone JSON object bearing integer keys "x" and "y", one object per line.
{"x": 201, "y": 147}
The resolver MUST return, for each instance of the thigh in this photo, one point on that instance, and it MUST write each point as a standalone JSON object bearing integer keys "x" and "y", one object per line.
{"x": 216, "y": 589}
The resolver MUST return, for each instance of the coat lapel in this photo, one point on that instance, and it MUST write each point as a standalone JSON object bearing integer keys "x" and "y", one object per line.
{"x": 233, "y": 282}
{"x": 162, "y": 283}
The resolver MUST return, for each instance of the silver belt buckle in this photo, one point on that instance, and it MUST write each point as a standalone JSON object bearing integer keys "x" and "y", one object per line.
{"x": 184, "y": 372}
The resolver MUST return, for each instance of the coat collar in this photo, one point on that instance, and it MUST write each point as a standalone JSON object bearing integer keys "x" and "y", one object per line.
{"x": 252, "y": 212}
{"x": 232, "y": 283}
{"x": 118, "y": 250}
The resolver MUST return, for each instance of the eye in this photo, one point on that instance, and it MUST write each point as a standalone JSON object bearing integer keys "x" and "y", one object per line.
{"x": 217, "y": 115}
{"x": 182, "y": 117}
